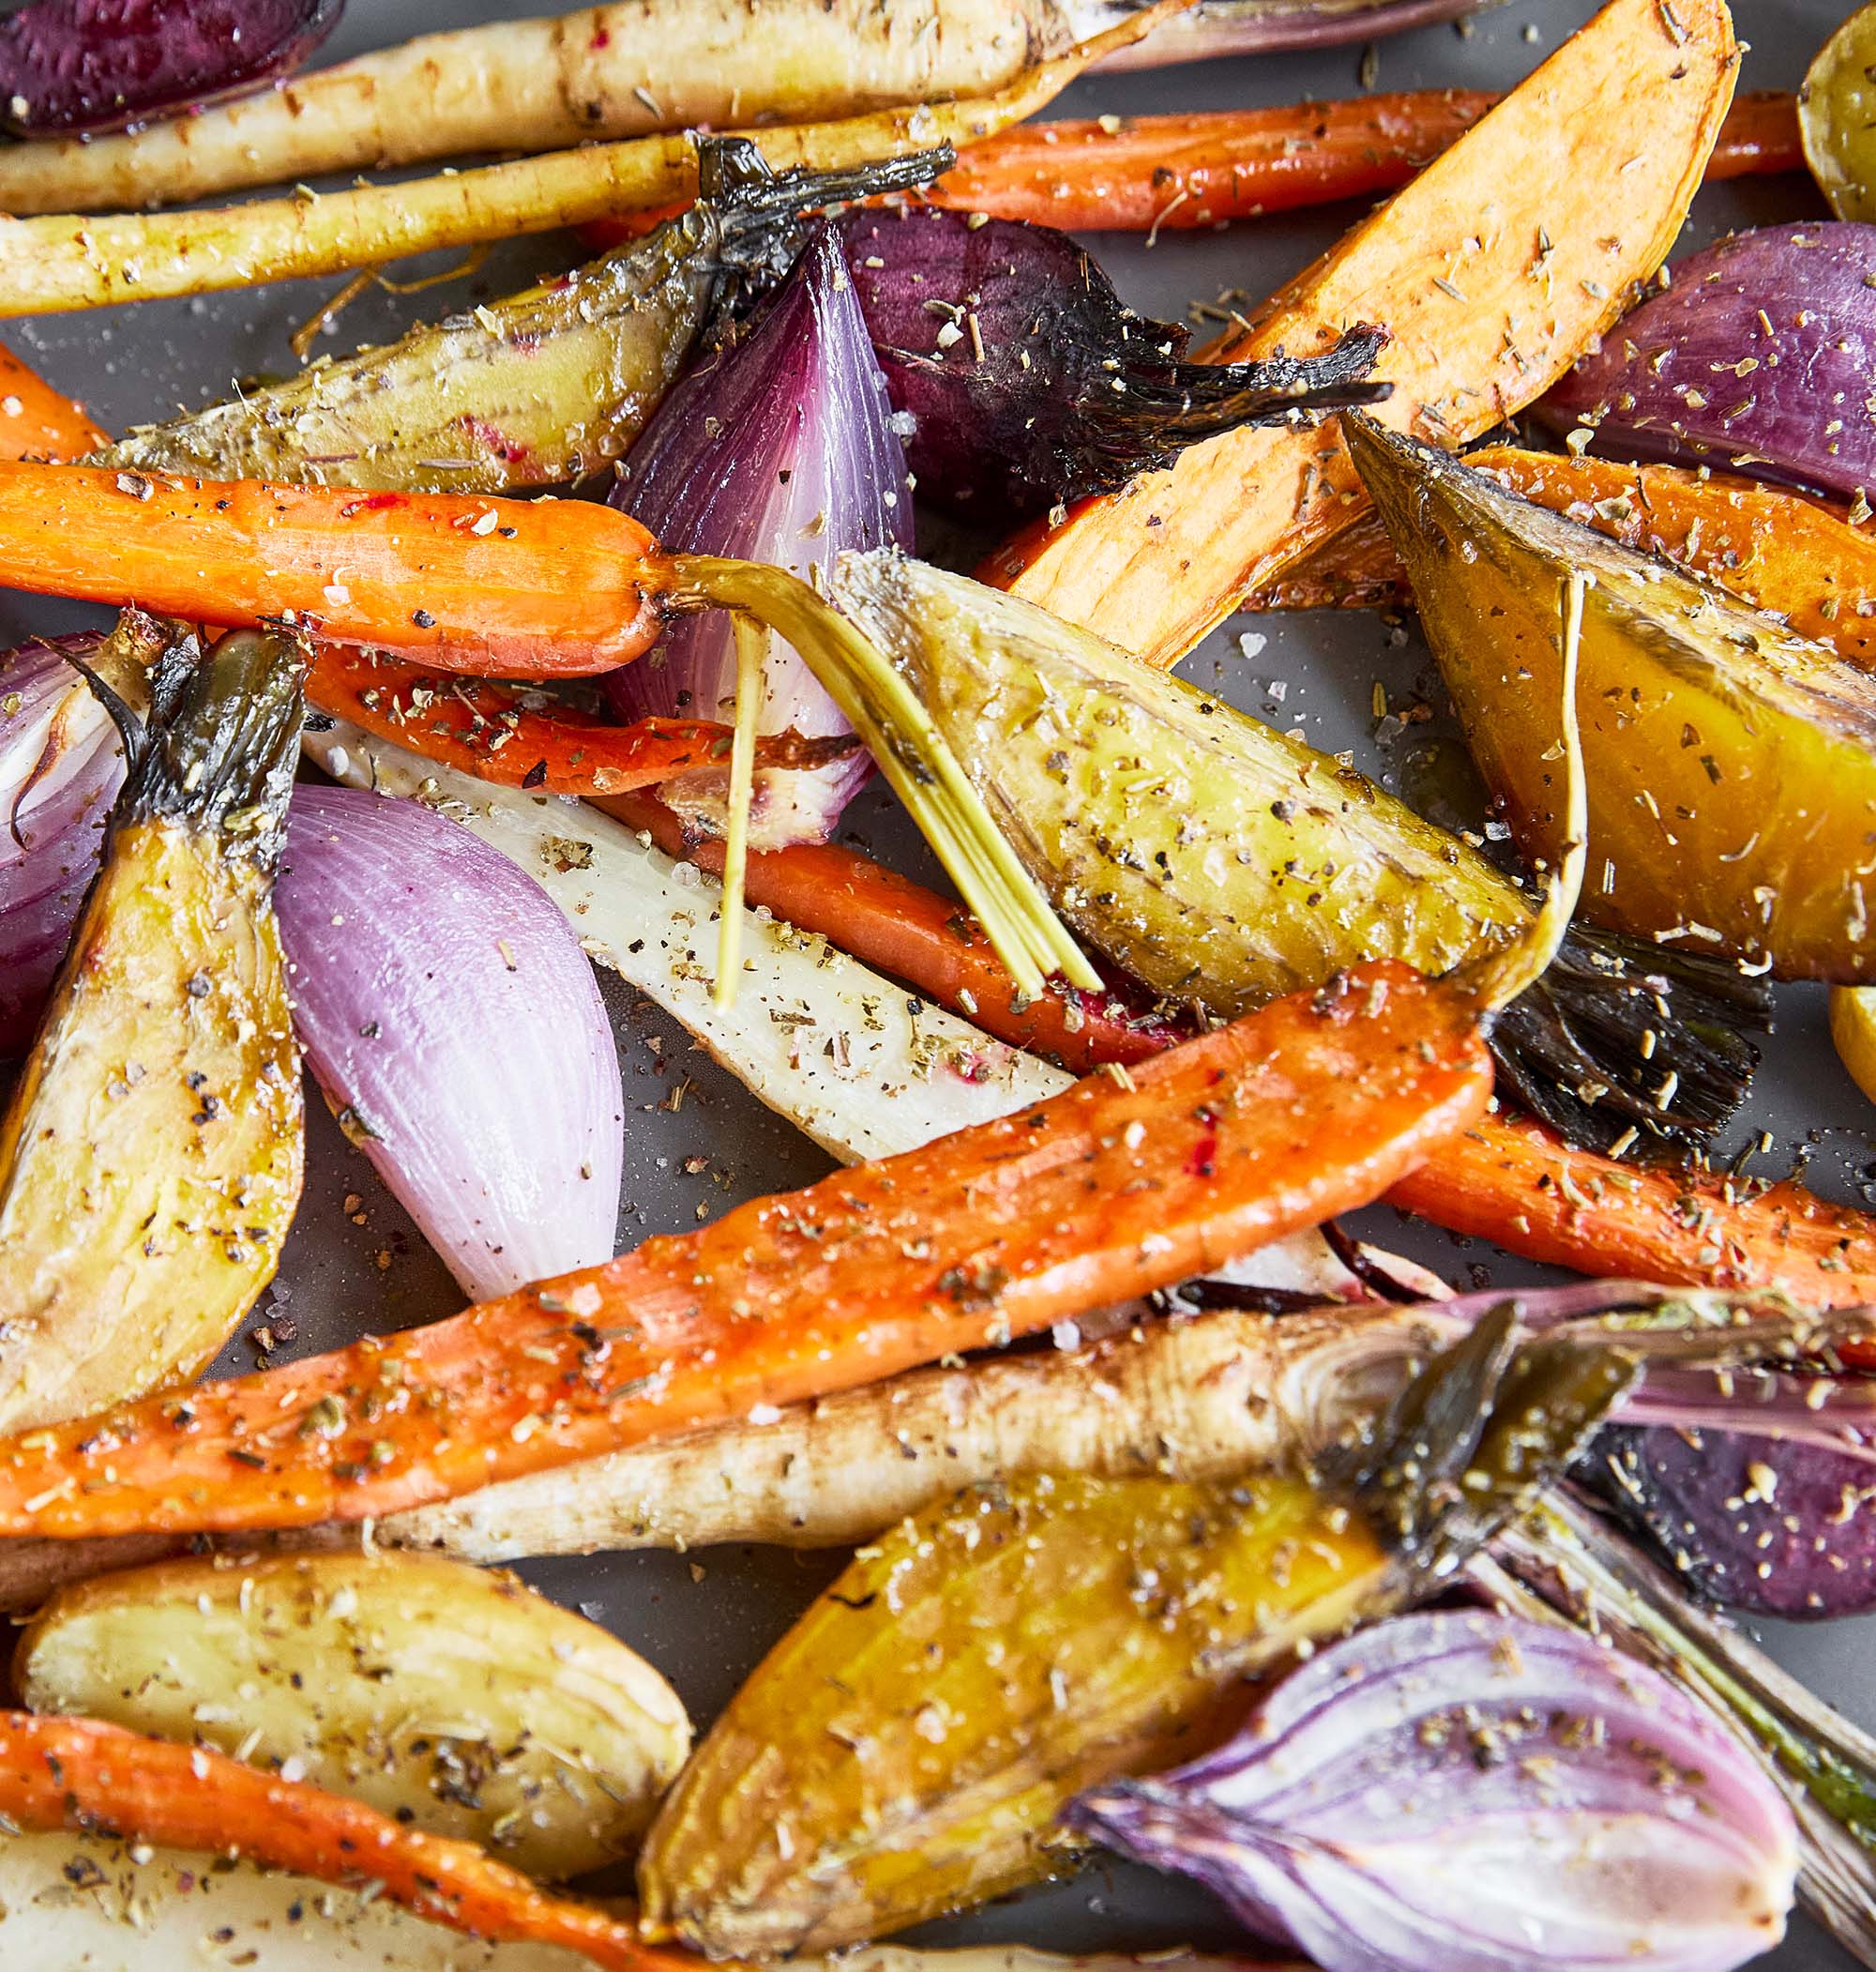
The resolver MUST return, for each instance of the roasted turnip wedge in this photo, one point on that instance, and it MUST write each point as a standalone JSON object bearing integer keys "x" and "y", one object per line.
{"x": 456, "y": 1701}
{"x": 547, "y": 385}
{"x": 109, "y": 65}
{"x": 150, "y": 1157}
{"x": 1025, "y": 380}
{"x": 1732, "y": 767}
{"x": 1223, "y": 862}
{"x": 1756, "y": 360}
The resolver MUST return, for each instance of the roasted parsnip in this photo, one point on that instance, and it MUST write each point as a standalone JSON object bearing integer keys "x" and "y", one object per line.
{"x": 1731, "y": 766}
{"x": 461, "y": 1702}
{"x": 58, "y": 260}
{"x": 89, "y": 1901}
{"x": 1202, "y": 1398}
{"x": 150, "y": 1157}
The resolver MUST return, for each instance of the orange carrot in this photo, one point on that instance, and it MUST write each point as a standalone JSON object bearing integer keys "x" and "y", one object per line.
{"x": 1183, "y": 173}
{"x": 1505, "y": 1178}
{"x": 1484, "y": 315}
{"x": 1512, "y": 1180}
{"x": 82, "y": 1774}
{"x": 532, "y": 587}
{"x": 1113, "y": 1187}
{"x": 484, "y": 729}
{"x": 899, "y": 927}
{"x": 1787, "y": 551}
{"x": 39, "y": 422}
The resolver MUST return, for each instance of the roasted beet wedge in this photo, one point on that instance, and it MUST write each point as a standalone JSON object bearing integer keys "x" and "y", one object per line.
{"x": 1767, "y": 1525}
{"x": 1024, "y": 379}
{"x": 107, "y": 65}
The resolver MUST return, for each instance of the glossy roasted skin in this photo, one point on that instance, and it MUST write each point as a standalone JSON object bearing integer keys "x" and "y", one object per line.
{"x": 1212, "y": 856}
{"x": 1798, "y": 556}
{"x": 1732, "y": 767}
{"x": 876, "y": 1771}
{"x": 150, "y": 1159}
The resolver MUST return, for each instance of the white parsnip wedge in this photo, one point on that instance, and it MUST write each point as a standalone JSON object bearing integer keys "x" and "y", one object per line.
{"x": 85, "y": 1903}
{"x": 64, "y": 260}
{"x": 603, "y": 72}
{"x": 456, "y": 1700}
{"x": 1207, "y": 1398}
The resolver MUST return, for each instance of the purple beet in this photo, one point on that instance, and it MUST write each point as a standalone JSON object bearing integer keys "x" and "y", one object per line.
{"x": 1770, "y": 1525}
{"x": 1025, "y": 381}
{"x": 1758, "y": 359}
{"x": 106, "y": 65}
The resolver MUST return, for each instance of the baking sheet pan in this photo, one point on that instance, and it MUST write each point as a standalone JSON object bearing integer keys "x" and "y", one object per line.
{"x": 354, "y": 1262}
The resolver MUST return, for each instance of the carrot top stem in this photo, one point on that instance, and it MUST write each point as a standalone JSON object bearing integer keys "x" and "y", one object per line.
{"x": 911, "y": 754}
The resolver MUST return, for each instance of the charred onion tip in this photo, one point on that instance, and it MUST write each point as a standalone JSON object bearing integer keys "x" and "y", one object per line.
{"x": 1499, "y": 979}
{"x": 912, "y": 754}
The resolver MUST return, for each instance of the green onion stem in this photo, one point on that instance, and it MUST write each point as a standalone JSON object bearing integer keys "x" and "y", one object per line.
{"x": 911, "y": 754}
{"x": 751, "y": 647}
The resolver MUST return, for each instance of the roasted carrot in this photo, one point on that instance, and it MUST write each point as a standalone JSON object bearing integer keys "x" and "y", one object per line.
{"x": 1113, "y": 1187}
{"x": 519, "y": 586}
{"x": 39, "y": 422}
{"x": 59, "y": 1773}
{"x": 1183, "y": 172}
{"x": 900, "y": 927}
{"x": 1512, "y": 1180}
{"x": 1790, "y": 552}
{"x": 485, "y": 730}
{"x": 1483, "y": 314}
{"x": 1505, "y": 1178}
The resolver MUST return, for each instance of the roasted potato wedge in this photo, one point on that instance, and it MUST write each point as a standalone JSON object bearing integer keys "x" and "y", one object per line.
{"x": 453, "y": 1698}
{"x": 1731, "y": 766}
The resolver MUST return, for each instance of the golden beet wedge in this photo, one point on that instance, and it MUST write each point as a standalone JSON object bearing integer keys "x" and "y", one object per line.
{"x": 908, "y": 1747}
{"x": 1731, "y": 766}
{"x": 150, "y": 1158}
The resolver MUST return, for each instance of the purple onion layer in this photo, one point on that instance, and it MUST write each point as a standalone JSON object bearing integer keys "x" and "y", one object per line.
{"x": 1464, "y": 1792}
{"x": 776, "y": 449}
{"x": 1758, "y": 359}
{"x": 68, "y": 65}
{"x": 456, "y": 1027}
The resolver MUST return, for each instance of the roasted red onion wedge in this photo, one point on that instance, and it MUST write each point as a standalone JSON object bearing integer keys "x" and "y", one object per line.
{"x": 1460, "y": 1792}
{"x": 778, "y": 448}
{"x": 453, "y": 1022}
{"x": 1757, "y": 359}
{"x": 60, "y": 765}
{"x": 1024, "y": 379}
{"x": 109, "y": 65}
